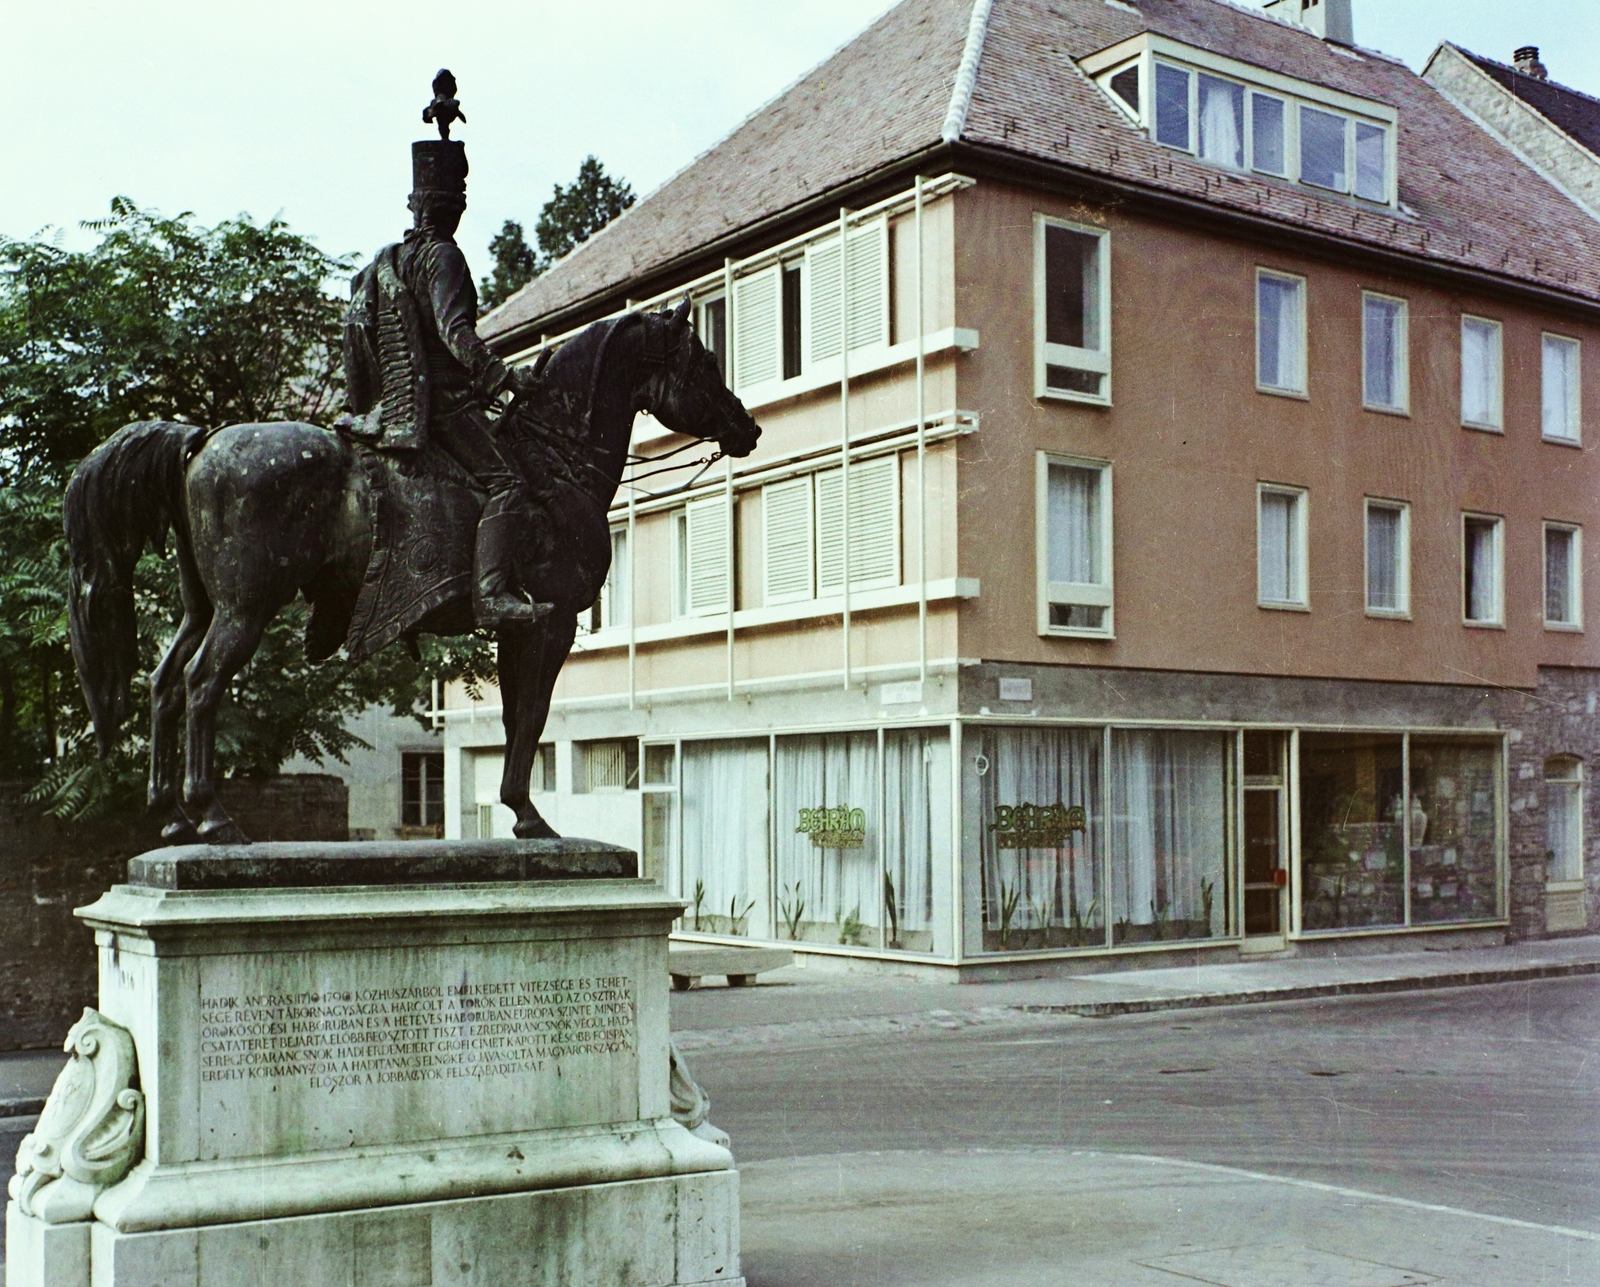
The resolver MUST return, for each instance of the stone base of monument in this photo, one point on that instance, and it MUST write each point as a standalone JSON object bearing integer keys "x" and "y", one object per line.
{"x": 376, "y": 1066}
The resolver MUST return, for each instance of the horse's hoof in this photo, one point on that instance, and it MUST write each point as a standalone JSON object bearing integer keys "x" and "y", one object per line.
{"x": 225, "y": 832}
{"x": 180, "y": 832}
{"x": 536, "y": 830}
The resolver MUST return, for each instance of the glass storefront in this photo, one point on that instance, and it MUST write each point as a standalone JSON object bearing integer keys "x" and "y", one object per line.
{"x": 1073, "y": 838}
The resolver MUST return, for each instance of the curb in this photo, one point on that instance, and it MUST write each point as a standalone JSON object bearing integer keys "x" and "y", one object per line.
{"x": 21, "y": 1107}
{"x": 1359, "y": 987}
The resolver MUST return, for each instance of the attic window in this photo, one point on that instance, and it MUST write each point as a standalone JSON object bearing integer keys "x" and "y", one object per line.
{"x": 1245, "y": 118}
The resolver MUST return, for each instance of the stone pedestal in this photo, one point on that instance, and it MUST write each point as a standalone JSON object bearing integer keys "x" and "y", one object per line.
{"x": 352, "y": 1077}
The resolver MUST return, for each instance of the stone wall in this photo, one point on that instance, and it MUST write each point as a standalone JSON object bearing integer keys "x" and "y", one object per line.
{"x": 47, "y": 868}
{"x": 1561, "y": 717}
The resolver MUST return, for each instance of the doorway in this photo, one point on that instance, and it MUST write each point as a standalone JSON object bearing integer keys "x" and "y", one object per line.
{"x": 1266, "y": 867}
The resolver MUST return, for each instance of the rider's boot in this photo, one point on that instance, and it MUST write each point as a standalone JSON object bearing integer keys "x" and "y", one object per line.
{"x": 496, "y": 602}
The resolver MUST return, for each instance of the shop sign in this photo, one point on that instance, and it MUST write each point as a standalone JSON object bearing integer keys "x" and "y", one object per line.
{"x": 838, "y": 828}
{"x": 1036, "y": 826}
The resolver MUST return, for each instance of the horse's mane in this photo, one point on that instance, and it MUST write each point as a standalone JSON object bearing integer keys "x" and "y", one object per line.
{"x": 565, "y": 397}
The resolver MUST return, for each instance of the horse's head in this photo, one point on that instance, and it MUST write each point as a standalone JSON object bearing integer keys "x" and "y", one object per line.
{"x": 684, "y": 389}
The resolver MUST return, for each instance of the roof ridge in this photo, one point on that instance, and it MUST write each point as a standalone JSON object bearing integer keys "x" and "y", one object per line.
{"x": 1515, "y": 71}
{"x": 955, "y": 119}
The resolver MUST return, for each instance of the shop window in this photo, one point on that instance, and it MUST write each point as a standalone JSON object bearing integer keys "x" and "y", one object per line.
{"x": 1040, "y": 838}
{"x": 917, "y": 840}
{"x": 1280, "y": 333}
{"x": 1563, "y": 818}
{"x": 609, "y": 765}
{"x": 1385, "y": 368}
{"x": 1480, "y": 374}
{"x": 826, "y": 832}
{"x": 874, "y": 526}
{"x": 1454, "y": 830}
{"x": 1563, "y": 583}
{"x": 1481, "y": 570}
{"x": 1169, "y": 835}
{"x": 1072, "y": 311}
{"x": 1281, "y": 547}
{"x": 1352, "y": 833}
{"x": 422, "y": 791}
{"x": 1562, "y": 386}
{"x": 723, "y": 873}
{"x": 1388, "y": 558}
{"x": 1074, "y": 547}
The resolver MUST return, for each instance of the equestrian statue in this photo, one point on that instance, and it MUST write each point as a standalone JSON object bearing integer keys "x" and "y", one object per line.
{"x": 460, "y": 494}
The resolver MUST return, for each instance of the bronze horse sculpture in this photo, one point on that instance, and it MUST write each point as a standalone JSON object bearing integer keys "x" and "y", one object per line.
{"x": 262, "y": 513}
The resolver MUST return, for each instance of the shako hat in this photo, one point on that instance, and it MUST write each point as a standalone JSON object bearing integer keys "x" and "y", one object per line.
{"x": 440, "y": 165}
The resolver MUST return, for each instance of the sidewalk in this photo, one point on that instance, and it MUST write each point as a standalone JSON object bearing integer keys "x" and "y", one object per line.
{"x": 808, "y": 1002}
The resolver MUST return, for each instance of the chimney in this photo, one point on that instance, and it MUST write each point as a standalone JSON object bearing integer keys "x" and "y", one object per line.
{"x": 1330, "y": 19}
{"x": 1526, "y": 61}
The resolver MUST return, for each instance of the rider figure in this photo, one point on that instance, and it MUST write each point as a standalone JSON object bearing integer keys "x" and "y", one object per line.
{"x": 417, "y": 370}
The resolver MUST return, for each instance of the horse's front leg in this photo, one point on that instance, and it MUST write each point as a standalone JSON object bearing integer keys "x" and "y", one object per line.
{"x": 166, "y": 709}
{"x": 537, "y": 664}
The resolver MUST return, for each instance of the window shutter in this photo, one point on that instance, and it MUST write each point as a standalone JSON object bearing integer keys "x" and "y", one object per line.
{"x": 757, "y": 348}
{"x": 869, "y": 291}
{"x": 706, "y": 576}
{"x": 874, "y": 526}
{"x": 786, "y": 533}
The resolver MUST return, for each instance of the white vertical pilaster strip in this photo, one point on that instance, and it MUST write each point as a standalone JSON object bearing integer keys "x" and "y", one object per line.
{"x": 844, "y": 426}
{"x": 922, "y": 458}
{"x": 955, "y": 118}
{"x": 633, "y": 586}
{"x": 727, "y": 344}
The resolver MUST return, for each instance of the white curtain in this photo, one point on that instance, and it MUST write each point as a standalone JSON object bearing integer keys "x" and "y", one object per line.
{"x": 1563, "y": 823}
{"x": 1383, "y": 558}
{"x": 1480, "y": 372}
{"x": 916, "y": 830}
{"x": 1222, "y": 122}
{"x": 1560, "y": 400}
{"x": 725, "y": 830}
{"x": 1168, "y": 830}
{"x": 1074, "y": 526}
{"x": 1279, "y": 332}
{"x": 1278, "y": 556}
{"x": 1381, "y": 330}
{"x": 1037, "y": 890}
{"x": 835, "y": 884}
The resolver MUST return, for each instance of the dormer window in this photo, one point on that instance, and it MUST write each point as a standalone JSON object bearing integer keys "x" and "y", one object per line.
{"x": 1243, "y": 118}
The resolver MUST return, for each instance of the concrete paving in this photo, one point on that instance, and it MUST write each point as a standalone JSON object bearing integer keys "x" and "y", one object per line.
{"x": 1044, "y": 1218}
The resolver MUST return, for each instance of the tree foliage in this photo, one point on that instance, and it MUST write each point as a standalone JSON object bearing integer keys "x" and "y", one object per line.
{"x": 165, "y": 319}
{"x": 573, "y": 214}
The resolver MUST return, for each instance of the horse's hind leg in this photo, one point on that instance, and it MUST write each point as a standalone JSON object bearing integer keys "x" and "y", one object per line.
{"x": 535, "y": 661}
{"x": 166, "y": 707}
{"x": 229, "y": 643}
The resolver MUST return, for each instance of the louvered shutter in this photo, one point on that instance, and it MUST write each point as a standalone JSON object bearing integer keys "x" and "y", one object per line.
{"x": 874, "y": 526}
{"x": 786, "y": 536}
{"x": 757, "y": 327}
{"x": 706, "y": 570}
{"x": 869, "y": 291}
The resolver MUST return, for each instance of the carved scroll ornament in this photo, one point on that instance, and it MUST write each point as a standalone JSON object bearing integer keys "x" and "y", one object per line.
{"x": 91, "y": 1132}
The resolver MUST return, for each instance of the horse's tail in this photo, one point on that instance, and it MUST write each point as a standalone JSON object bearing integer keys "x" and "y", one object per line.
{"x": 124, "y": 496}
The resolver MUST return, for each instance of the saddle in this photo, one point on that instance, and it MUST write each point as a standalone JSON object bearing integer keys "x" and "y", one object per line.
{"x": 425, "y": 516}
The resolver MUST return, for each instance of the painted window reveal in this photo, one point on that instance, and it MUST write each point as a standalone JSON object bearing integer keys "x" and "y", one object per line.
{"x": 1563, "y": 817}
{"x": 1385, "y": 356}
{"x": 830, "y": 892}
{"x": 1388, "y": 558}
{"x": 1563, "y": 582}
{"x": 1280, "y": 332}
{"x": 1480, "y": 373}
{"x": 1561, "y": 411}
{"x": 1044, "y": 895}
{"x": 1075, "y": 547}
{"x": 1169, "y": 835}
{"x": 1072, "y": 339}
{"x": 1482, "y": 561}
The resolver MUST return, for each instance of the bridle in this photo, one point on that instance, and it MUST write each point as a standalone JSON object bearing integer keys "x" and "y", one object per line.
{"x": 669, "y": 372}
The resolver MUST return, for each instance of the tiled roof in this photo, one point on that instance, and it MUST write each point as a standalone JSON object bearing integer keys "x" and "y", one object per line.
{"x": 1465, "y": 200}
{"x": 1569, "y": 110}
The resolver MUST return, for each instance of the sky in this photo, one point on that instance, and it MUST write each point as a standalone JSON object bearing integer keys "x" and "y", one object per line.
{"x": 306, "y": 110}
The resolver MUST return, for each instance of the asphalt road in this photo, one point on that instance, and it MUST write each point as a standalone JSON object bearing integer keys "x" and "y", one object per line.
{"x": 1486, "y": 1099}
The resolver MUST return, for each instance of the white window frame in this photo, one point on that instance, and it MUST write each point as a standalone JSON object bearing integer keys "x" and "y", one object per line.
{"x": 1574, "y": 578}
{"x": 1094, "y": 361}
{"x": 1574, "y": 779}
{"x": 1402, "y": 373}
{"x": 1302, "y": 389}
{"x": 1402, "y": 612}
{"x": 1498, "y": 621}
{"x": 1301, "y": 568}
{"x": 1072, "y": 593}
{"x": 1496, "y": 425}
{"x": 1574, "y": 401}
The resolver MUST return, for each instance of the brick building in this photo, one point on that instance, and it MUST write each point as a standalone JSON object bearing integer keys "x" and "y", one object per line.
{"x": 1204, "y": 392}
